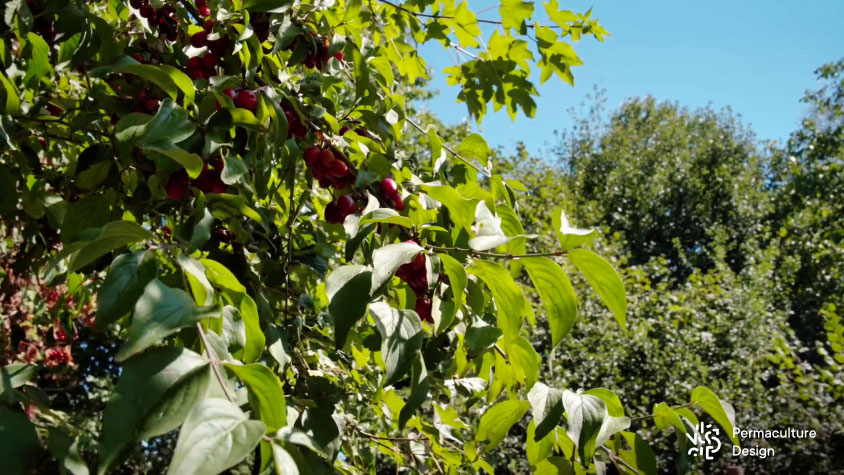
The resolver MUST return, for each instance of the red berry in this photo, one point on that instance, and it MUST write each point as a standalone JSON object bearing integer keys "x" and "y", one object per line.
{"x": 346, "y": 205}
{"x": 172, "y": 36}
{"x": 332, "y": 213}
{"x": 311, "y": 156}
{"x": 344, "y": 129}
{"x": 246, "y": 99}
{"x": 209, "y": 25}
{"x": 147, "y": 11}
{"x": 177, "y": 185}
{"x": 198, "y": 40}
{"x": 204, "y": 11}
{"x": 194, "y": 63}
{"x": 389, "y": 187}
{"x": 423, "y": 309}
{"x": 418, "y": 262}
{"x": 230, "y": 92}
{"x": 138, "y": 57}
{"x": 201, "y": 3}
{"x": 326, "y": 158}
{"x": 196, "y": 73}
{"x": 398, "y": 203}
{"x": 142, "y": 96}
{"x": 54, "y": 110}
{"x": 338, "y": 169}
{"x": 136, "y": 4}
{"x": 152, "y": 104}
{"x": 339, "y": 55}
{"x": 209, "y": 61}
{"x": 42, "y": 141}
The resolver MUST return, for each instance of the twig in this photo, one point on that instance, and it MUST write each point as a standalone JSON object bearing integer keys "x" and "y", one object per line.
{"x": 442, "y": 17}
{"x": 620, "y": 460}
{"x": 496, "y": 254}
{"x": 501, "y": 352}
{"x": 449, "y": 150}
{"x": 214, "y": 362}
{"x": 651, "y": 416}
{"x": 290, "y": 221}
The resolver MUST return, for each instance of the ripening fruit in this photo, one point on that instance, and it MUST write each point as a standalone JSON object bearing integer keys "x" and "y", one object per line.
{"x": 152, "y": 105}
{"x": 332, "y": 213}
{"x": 198, "y": 40}
{"x": 339, "y": 55}
{"x": 326, "y": 158}
{"x": 338, "y": 169}
{"x": 389, "y": 187}
{"x": 311, "y": 155}
{"x": 346, "y": 205}
{"x": 423, "y": 309}
{"x": 398, "y": 203}
{"x": 194, "y": 63}
{"x": 177, "y": 185}
{"x": 204, "y": 11}
{"x": 209, "y": 61}
{"x": 136, "y": 4}
{"x": 246, "y": 99}
{"x": 418, "y": 262}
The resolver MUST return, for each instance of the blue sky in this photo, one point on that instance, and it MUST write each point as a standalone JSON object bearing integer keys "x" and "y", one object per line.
{"x": 756, "y": 56}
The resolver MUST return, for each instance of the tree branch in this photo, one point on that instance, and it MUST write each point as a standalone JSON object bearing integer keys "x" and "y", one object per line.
{"x": 449, "y": 150}
{"x": 651, "y": 416}
{"x": 495, "y": 254}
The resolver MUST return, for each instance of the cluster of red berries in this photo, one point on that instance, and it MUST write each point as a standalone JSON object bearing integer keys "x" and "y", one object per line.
{"x": 317, "y": 50}
{"x": 295, "y": 127}
{"x": 164, "y": 18}
{"x": 42, "y": 24}
{"x": 416, "y": 277}
{"x": 208, "y": 181}
{"x": 328, "y": 170}
{"x": 337, "y": 210}
{"x": 57, "y": 355}
{"x": 202, "y": 7}
{"x": 144, "y": 103}
{"x": 204, "y": 67}
{"x": 390, "y": 190}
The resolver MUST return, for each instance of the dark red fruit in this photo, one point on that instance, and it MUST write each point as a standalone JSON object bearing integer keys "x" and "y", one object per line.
{"x": 423, "y": 309}
{"x": 196, "y": 73}
{"x": 389, "y": 187}
{"x": 198, "y": 40}
{"x": 54, "y": 110}
{"x": 201, "y": 3}
{"x": 338, "y": 169}
{"x": 136, "y": 4}
{"x": 346, "y": 205}
{"x": 209, "y": 61}
{"x": 209, "y": 24}
{"x": 418, "y": 262}
{"x": 194, "y": 63}
{"x": 398, "y": 203}
{"x": 230, "y": 92}
{"x": 172, "y": 36}
{"x": 311, "y": 156}
{"x": 177, "y": 185}
{"x": 339, "y": 55}
{"x": 204, "y": 11}
{"x": 152, "y": 105}
{"x": 246, "y": 99}
{"x": 332, "y": 214}
{"x": 326, "y": 158}
{"x": 42, "y": 141}
{"x": 344, "y": 129}
{"x": 147, "y": 11}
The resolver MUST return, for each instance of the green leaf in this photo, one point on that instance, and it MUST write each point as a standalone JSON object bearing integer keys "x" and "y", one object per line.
{"x": 524, "y": 361}
{"x": 547, "y": 406}
{"x": 497, "y": 421}
{"x": 161, "y": 311}
{"x": 39, "y": 60}
{"x": 19, "y": 444}
{"x": 113, "y": 235}
{"x": 401, "y": 338}
{"x": 589, "y": 424}
{"x": 200, "y": 285}
{"x": 515, "y": 12}
{"x": 347, "y": 289}
{"x": 216, "y": 435}
{"x": 163, "y": 77}
{"x": 456, "y": 277}
{"x": 190, "y": 161}
{"x": 557, "y": 295}
{"x": 144, "y": 381}
{"x": 614, "y": 407}
{"x": 639, "y": 455}
{"x": 538, "y": 448}
{"x": 13, "y": 102}
{"x": 419, "y": 387}
{"x": 221, "y": 277}
{"x": 386, "y": 261}
{"x": 233, "y": 170}
{"x": 461, "y": 210}
{"x": 66, "y": 451}
{"x": 274, "y": 6}
{"x": 173, "y": 407}
{"x": 570, "y": 237}
{"x": 719, "y": 410}
{"x": 182, "y": 81}
{"x": 128, "y": 276}
{"x": 508, "y": 296}
{"x": 604, "y": 280}
{"x": 267, "y": 391}
{"x": 16, "y": 375}
{"x": 284, "y": 462}
{"x": 479, "y": 337}
{"x": 554, "y": 466}
{"x": 475, "y": 147}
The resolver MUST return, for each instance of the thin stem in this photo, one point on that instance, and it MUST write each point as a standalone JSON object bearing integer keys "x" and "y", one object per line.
{"x": 290, "y": 220}
{"x": 620, "y": 460}
{"x": 442, "y": 17}
{"x": 496, "y": 254}
{"x": 651, "y": 416}
{"x": 214, "y": 362}
{"x": 501, "y": 352}
{"x": 449, "y": 150}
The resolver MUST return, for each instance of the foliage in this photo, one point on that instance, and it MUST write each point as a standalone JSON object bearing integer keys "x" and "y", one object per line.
{"x": 226, "y": 188}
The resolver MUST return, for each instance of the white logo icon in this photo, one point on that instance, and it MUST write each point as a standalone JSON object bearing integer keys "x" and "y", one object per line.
{"x": 705, "y": 440}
